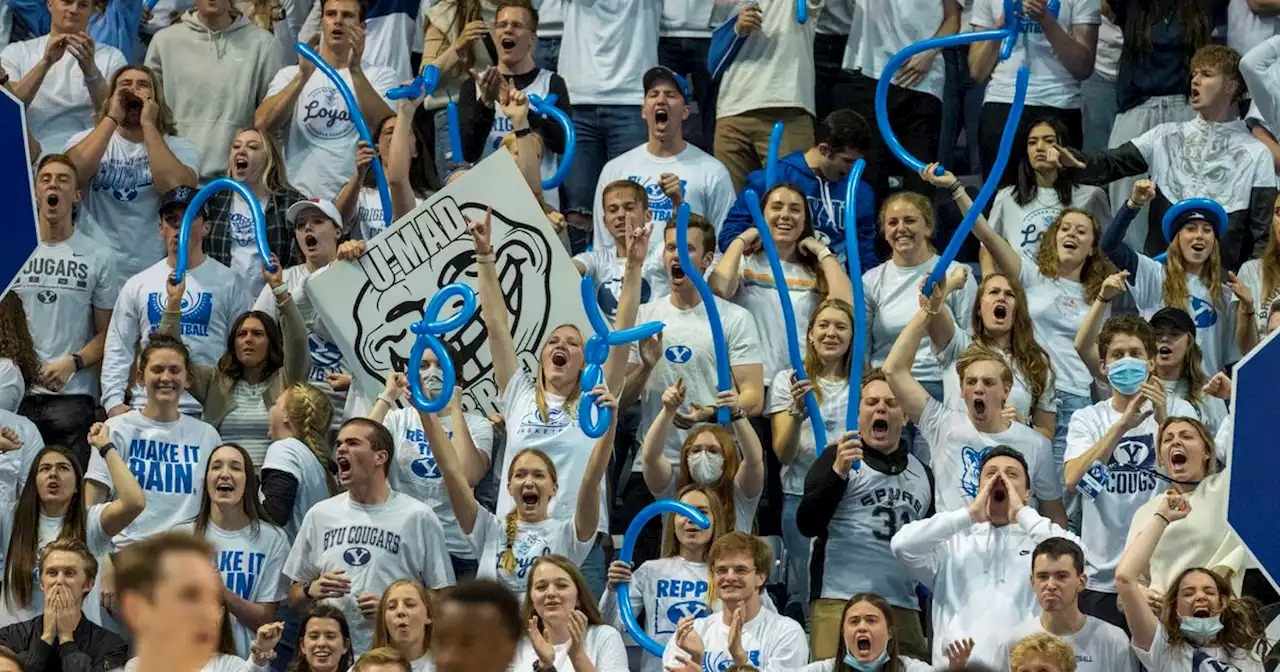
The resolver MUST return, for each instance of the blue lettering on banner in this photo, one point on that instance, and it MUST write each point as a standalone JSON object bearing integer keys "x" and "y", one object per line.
{"x": 361, "y": 535}
{"x": 1202, "y": 313}
{"x": 679, "y": 354}
{"x": 124, "y": 179}
{"x": 240, "y": 570}
{"x": 660, "y": 205}
{"x": 718, "y": 661}
{"x": 197, "y": 312}
{"x": 971, "y": 469}
{"x": 163, "y": 467}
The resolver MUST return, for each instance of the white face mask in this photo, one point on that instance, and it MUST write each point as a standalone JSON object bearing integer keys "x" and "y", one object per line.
{"x": 705, "y": 467}
{"x": 431, "y": 380}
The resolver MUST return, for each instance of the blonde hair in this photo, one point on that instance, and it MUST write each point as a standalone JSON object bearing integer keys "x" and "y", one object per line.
{"x": 1043, "y": 646}
{"x": 1175, "y": 292}
{"x": 540, "y": 388}
{"x": 917, "y": 201}
{"x": 380, "y": 636}
{"x": 507, "y": 562}
{"x": 310, "y": 412}
{"x": 164, "y": 116}
{"x": 980, "y": 353}
{"x": 274, "y": 173}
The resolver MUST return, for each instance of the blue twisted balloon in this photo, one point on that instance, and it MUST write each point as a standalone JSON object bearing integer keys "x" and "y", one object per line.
{"x": 802, "y": 12}
{"x": 429, "y": 330}
{"x": 858, "y": 350}
{"x": 775, "y": 145}
{"x": 724, "y": 374}
{"x": 419, "y": 87}
{"x": 353, "y": 109}
{"x": 1008, "y": 37}
{"x": 197, "y": 202}
{"x": 596, "y": 353}
{"x": 1208, "y": 206}
{"x": 547, "y": 108}
{"x": 455, "y": 132}
{"x": 817, "y": 424}
{"x": 628, "y": 549}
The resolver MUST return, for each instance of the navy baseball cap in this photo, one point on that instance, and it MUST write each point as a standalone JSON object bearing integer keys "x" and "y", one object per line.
{"x": 179, "y": 198}
{"x": 660, "y": 74}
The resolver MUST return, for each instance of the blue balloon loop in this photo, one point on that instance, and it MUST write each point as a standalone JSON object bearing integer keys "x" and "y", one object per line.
{"x": 724, "y": 373}
{"x": 198, "y": 201}
{"x": 858, "y": 349}
{"x": 547, "y": 108}
{"x": 357, "y": 119}
{"x": 429, "y": 331}
{"x": 596, "y": 353}
{"x": 628, "y": 551}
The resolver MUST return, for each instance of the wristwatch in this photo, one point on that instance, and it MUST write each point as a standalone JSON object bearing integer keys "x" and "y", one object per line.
{"x": 539, "y": 667}
{"x": 78, "y": 360}
{"x": 102, "y": 452}
{"x": 306, "y": 591}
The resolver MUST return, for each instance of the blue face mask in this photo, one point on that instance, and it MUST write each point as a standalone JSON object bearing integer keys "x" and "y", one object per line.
{"x": 1202, "y": 629}
{"x": 867, "y": 667}
{"x": 1127, "y": 374}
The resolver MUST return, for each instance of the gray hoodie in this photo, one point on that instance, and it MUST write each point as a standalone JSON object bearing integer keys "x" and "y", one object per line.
{"x": 213, "y": 81}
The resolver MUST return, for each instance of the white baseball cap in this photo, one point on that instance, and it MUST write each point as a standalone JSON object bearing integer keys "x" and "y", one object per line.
{"x": 323, "y": 205}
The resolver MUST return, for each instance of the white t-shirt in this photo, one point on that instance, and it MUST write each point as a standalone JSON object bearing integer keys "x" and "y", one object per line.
{"x": 1023, "y": 225}
{"x": 1050, "y": 84}
{"x": 249, "y": 564}
{"x": 368, "y": 221}
{"x": 1019, "y": 393}
{"x": 1099, "y": 646}
{"x": 220, "y": 662}
{"x": 957, "y": 449}
{"x": 704, "y": 181}
{"x": 293, "y": 457}
{"x": 1215, "y": 321}
{"x": 665, "y": 590}
{"x": 1106, "y": 64}
{"x": 1251, "y": 275}
{"x": 245, "y": 261}
{"x": 16, "y": 464}
{"x": 1164, "y": 656}
{"x": 607, "y": 47}
{"x": 214, "y": 299}
{"x": 1245, "y": 29}
{"x": 607, "y": 270}
{"x": 62, "y": 106}
{"x": 691, "y": 18}
{"x": 1210, "y": 411}
{"x": 415, "y": 473}
{"x": 119, "y": 207}
{"x": 882, "y": 28}
{"x": 604, "y": 646}
{"x": 50, "y": 529}
{"x": 13, "y": 385}
{"x": 774, "y": 68}
{"x": 757, "y": 293}
{"x": 541, "y": 87}
{"x": 892, "y": 295}
{"x": 488, "y": 540}
{"x": 169, "y": 461}
{"x": 320, "y": 144}
{"x": 834, "y": 406}
{"x": 1058, "y": 307}
{"x": 559, "y": 436}
{"x": 689, "y": 352}
{"x": 60, "y": 286}
{"x": 772, "y": 642}
{"x": 375, "y": 546}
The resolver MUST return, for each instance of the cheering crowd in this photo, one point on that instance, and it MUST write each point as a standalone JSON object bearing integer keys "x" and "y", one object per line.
{"x": 1033, "y": 477}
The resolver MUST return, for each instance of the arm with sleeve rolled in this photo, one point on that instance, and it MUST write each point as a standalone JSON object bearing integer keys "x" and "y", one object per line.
{"x": 297, "y": 352}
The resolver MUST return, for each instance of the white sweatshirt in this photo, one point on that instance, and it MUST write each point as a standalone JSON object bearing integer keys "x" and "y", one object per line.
{"x": 978, "y": 575}
{"x": 774, "y": 643}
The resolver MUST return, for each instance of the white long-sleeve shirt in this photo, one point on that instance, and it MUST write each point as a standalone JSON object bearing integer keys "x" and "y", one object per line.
{"x": 1261, "y": 74}
{"x": 774, "y": 643}
{"x": 978, "y": 575}
{"x": 214, "y": 298}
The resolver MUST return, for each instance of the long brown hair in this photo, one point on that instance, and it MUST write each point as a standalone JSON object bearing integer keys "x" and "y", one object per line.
{"x": 720, "y": 521}
{"x": 230, "y": 365}
{"x": 164, "y": 116}
{"x": 1031, "y": 359}
{"x": 1174, "y": 292}
{"x": 1206, "y": 437}
{"x": 322, "y": 611}
{"x": 380, "y": 628}
{"x": 803, "y": 258}
{"x": 886, "y": 612}
{"x": 724, "y": 489}
{"x": 15, "y": 338}
{"x": 1193, "y": 373}
{"x": 21, "y": 556}
{"x": 585, "y": 603}
{"x": 249, "y": 499}
{"x": 813, "y": 363}
{"x": 1192, "y": 16}
{"x": 540, "y": 383}
{"x": 1270, "y": 262}
{"x": 1243, "y": 631}
{"x": 507, "y": 562}
{"x": 1096, "y": 266}
{"x": 310, "y": 413}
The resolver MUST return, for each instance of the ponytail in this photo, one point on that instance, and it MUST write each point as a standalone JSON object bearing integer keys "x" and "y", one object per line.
{"x": 508, "y": 560}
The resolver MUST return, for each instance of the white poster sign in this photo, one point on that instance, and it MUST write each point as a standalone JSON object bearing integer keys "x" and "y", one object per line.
{"x": 369, "y": 305}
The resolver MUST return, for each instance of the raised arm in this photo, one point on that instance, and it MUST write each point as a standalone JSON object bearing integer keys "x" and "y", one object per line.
{"x": 1075, "y": 47}
{"x": 130, "y": 501}
{"x": 1086, "y": 342}
{"x": 897, "y": 367}
{"x": 750, "y": 477}
{"x": 1113, "y": 245}
{"x": 274, "y": 111}
{"x": 655, "y": 467}
{"x": 727, "y": 275}
{"x": 838, "y": 284}
{"x": 400, "y": 159}
{"x": 297, "y": 354}
{"x": 1134, "y": 564}
{"x": 348, "y": 200}
{"x": 461, "y": 496}
{"x": 167, "y": 170}
{"x": 493, "y": 305}
{"x": 587, "y": 517}
{"x": 1258, "y": 68}
{"x": 787, "y": 423}
{"x": 88, "y": 152}
{"x": 638, "y": 232}
{"x": 1246, "y": 326}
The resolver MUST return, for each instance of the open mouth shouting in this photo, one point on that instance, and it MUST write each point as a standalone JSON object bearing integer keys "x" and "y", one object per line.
{"x": 980, "y": 408}
{"x": 225, "y": 487}
{"x": 1000, "y": 311}
{"x": 240, "y": 167}
{"x": 1195, "y": 95}
{"x": 661, "y": 116}
{"x": 559, "y": 357}
{"x": 880, "y": 430}
{"x": 508, "y": 44}
{"x": 310, "y": 243}
{"x": 1165, "y": 351}
{"x": 1178, "y": 458}
{"x": 1199, "y": 247}
{"x": 677, "y": 273}
{"x": 1201, "y": 611}
{"x": 344, "y": 467}
{"x": 529, "y": 498}
{"x": 998, "y": 492}
{"x": 862, "y": 643}
{"x": 1070, "y": 243}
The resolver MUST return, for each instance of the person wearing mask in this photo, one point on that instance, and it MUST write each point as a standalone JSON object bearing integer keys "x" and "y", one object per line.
{"x": 319, "y": 133}
{"x": 1058, "y": 578}
{"x": 742, "y": 632}
{"x": 1200, "y": 618}
{"x": 127, "y": 163}
{"x": 404, "y": 625}
{"x": 324, "y": 642}
{"x": 1212, "y": 155}
{"x": 967, "y": 555}
{"x": 68, "y": 289}
{"x": 770, "y": 80}
{"x": 386, "y": 534}
{"x": 820, "y": 172}
{"x": 255, "y": 159}
{"x": 216, "y": 65}
{"x": 476, "y": 627}
{"x": 869, "y": 640}
{"x": 249, "y": 551}
{"x": 61, "y": 77}
{"x": 171, "y": 599}
{"x": 671, "y": 170}
{"x": 565, "y": 630}
{"x": 853, "y": 516}
{"x": 167, "y": 451}
{"x": 608, "y": 50}
{"x": 684, "y": 352}
{"x": 1058, "y": 44}
{"x": 674, "y": 585}
{"x": 210, "y": 304}
{"x": 63, "y": 637}
{"x": 914, "y": 100}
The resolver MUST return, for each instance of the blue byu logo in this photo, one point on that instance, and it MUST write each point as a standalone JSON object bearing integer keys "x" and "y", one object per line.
{"x": 357, "y": 556}
{"x": 679, "y": 354}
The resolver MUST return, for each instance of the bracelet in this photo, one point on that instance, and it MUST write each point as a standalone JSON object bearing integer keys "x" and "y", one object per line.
{"x": 102, "y": 452}
{"x": 488, "y": 258}
{"x": 737, "y": 415}
{"x": 957, "y": 189}
{"x": 280, "y": 290}
{"x": 306, "y": 590}
{"x": 1161, "y": 517}
{"x": 1104, "y": 300}
{"x": 90, "y": 80}
{"x": 930, "y": 312}
{"x": 385, "y": 400}
{"x": 826, "y": 252}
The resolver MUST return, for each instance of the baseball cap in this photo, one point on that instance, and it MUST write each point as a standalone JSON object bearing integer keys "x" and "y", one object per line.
{"x": 660, "y": 73}
{"x": 1183, "y": 219}
{"x": 323, "y": 205}
{"x": 180, "y": 198}
{"x": 1173, "y": 319}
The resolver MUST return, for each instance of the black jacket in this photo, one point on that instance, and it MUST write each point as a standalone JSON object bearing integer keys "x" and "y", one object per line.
{"x": 95, "y": 649}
